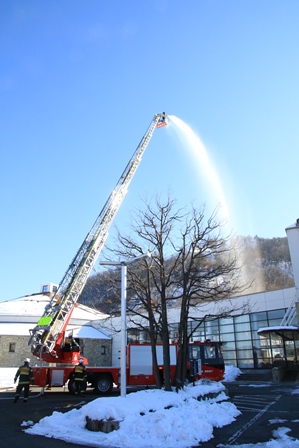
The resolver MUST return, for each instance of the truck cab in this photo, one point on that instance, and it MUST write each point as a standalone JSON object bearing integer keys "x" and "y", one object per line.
{"x": 206, "y": 360}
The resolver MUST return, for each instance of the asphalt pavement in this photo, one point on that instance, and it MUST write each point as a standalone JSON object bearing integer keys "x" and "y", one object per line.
{"x": 265, "y": 407}
{"x": 13, "y": 415}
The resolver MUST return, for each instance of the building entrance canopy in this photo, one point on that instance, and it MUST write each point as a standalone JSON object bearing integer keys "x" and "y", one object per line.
{"x": 289, "y": 333}
{"x": 284, "y": 343}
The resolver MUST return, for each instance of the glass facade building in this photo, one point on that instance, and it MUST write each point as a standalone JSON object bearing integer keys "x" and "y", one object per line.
{"x": 242, "y": 346}
{"x": 241, "y": 343}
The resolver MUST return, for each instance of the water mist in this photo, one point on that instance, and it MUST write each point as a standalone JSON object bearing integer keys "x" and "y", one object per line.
{"x": 191, "y": 142}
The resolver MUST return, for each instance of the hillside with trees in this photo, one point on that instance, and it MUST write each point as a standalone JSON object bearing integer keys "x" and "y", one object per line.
{"x": 270, "y": 257}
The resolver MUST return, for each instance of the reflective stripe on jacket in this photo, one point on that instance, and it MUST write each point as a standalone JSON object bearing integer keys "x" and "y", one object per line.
{"x": 26, "y": 375}
{"x": 80, "y": 372}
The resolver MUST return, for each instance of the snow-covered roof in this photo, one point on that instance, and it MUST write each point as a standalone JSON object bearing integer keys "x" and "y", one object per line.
{"x": 13, "y": 329}
{"x": 18, "y": 316}
{"x": 87, "y": 332}
{"x": 30, "y": 308}
{"x": 22, "y": 329}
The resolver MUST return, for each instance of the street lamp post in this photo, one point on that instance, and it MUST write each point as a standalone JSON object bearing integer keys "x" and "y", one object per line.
{"x": 123, "y": 346}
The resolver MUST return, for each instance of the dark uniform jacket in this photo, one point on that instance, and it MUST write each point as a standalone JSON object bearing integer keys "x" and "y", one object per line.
{"x": 80, "y": 372}
{"x": 25, "y": 373}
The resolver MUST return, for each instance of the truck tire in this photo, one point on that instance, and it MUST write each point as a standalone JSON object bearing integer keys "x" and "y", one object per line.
{"x": 71, "y": 385}
{"x": 103, "y": 384}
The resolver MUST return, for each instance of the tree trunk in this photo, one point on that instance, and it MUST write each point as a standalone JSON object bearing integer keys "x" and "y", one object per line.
{"x": 181, "y": 365}
{"x": 166, "y": 352}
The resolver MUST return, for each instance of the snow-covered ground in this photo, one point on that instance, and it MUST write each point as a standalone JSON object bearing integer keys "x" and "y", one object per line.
{"x": 151, "y": 418}
{"x": 7, "y": 377}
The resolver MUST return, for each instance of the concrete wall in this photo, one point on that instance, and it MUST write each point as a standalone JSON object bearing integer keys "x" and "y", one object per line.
{"x": 22, "y": 351}
{"x": 98, "y": 351}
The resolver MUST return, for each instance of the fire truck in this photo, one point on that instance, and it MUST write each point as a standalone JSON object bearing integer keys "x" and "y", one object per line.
{"x": 47, "y": 338}
{"x": 205, "y": 361}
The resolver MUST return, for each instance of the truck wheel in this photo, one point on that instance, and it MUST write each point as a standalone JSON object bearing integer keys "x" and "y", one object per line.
{"x": 103, "y": 384}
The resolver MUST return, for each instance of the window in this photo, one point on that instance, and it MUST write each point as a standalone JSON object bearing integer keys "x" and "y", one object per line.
{"x": 245, "y": 354}
{"x": 245, "y": 326}
{"x": 258, "y": 316}
{"x": 230, "y": 345}
{"x": 212, "y": 334}
{"x": 12, "y": 347}
{"x": 210, "y": 352}
{"x": 255, "y": 325}
{"x": 227, "y": 329}
{"x": 276, "y": 314}
{"x": 241, "y": 319}
{"x": 230, "y": 357}
{"x": 194, "y": 351}
{"x": 227, "y": 337}
{"x": 226, "y": 320}
{"x": 243, "y": 345}
{"x": 243, "y": 336}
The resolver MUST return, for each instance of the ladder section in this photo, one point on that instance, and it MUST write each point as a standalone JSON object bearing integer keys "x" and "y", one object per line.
{"x": 48, "y": 333}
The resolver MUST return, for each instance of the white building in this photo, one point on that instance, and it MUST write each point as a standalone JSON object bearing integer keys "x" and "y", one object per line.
{"x": 19, "y": 316}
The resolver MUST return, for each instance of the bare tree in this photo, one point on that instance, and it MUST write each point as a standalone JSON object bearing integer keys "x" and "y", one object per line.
{"x": 192, "y": 264}
{"x": 152, "y": 229}
{"x": 208, "y": 273}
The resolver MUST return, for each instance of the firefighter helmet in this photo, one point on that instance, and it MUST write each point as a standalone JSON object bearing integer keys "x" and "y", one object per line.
{"x": 81, "y": 361}
{"x": 27, "y": 360}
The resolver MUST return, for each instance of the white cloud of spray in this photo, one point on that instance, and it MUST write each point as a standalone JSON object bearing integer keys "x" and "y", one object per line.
{"x": 210, "y": 179}
{"x": 192, "y": 143}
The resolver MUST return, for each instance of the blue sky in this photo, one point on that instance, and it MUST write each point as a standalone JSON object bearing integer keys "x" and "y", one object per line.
{"x": 81, "y": 81}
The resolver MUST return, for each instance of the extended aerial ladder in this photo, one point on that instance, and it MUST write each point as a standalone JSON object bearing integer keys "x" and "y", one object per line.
{"x": 47, "y": 337}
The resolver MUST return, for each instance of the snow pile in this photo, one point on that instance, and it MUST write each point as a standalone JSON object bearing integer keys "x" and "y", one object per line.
{"x": 147, "y": 418}
{"x": 7, "y": 375}
{"x": 28, "y": 423}
{"x": 231, "y": 373}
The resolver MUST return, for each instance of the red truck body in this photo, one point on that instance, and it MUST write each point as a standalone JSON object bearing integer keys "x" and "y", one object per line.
{"x": 205, "y": 361}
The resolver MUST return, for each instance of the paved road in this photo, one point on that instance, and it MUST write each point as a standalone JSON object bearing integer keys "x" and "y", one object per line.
{"x": 264, "y": 408}
{"x": 13, "y": 415}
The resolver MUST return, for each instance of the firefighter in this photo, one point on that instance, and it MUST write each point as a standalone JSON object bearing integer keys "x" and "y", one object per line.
{"x": 71, "y": 344}
{"x": 25, "y": 375}
{"x": 80, "y": 378}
